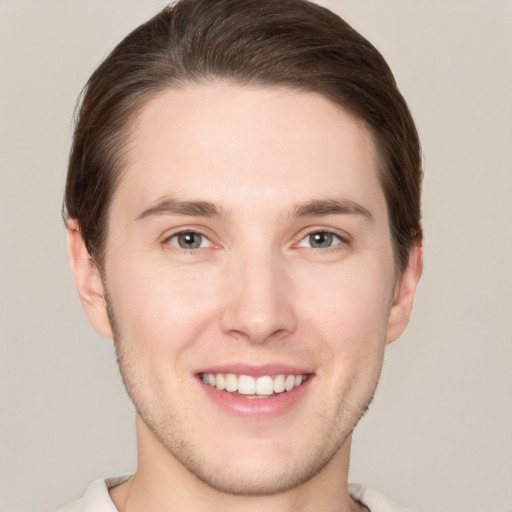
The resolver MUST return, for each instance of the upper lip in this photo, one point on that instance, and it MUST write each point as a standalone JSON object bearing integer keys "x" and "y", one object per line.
{"x": 256, "y": 370}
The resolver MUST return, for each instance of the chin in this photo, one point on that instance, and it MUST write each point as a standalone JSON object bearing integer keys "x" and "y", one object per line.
{"x": 255, "y": 469}
{"x": 259, "y": 478}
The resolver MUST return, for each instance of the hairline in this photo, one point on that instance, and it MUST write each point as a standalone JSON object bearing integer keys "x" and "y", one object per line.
{"x": 127, "y": 135}
{"x": 124, "y": 137}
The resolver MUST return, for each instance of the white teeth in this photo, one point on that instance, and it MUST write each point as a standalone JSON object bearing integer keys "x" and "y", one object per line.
{"x": 279, "y": 384}
{"x": 220, "y": 383}
{"x": 246, "y": 385}
{"x": 231, "y": 382}
{"x": 289, "y": 383}
{"x": 263, "y": 386}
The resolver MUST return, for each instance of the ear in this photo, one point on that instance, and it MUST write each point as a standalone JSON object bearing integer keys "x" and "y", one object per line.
{"x": 88, "y": 281}
{"x": 404, "y": 294}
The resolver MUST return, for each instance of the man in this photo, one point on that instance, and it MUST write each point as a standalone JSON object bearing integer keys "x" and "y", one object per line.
{"x": 243, "y": 215}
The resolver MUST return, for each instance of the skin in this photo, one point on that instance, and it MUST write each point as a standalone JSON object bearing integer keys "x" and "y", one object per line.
{"x": 255, "y": 292}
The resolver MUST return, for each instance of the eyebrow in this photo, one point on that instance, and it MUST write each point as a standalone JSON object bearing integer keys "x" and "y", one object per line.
{"x": 202, "y": 208}
{"x": 172, "y": 206}
{"x": 323, "y": 207}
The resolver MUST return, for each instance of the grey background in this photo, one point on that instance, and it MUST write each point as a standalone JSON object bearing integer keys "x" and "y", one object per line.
{"x": 438, "y": 436}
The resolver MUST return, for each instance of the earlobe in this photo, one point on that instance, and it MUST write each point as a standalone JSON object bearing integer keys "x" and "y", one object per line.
{"x": 404, "y": 296}
{"x": 88, "y": 281}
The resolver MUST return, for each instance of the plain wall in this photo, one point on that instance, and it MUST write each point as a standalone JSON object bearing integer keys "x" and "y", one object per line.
{"x": 438, "y": 435}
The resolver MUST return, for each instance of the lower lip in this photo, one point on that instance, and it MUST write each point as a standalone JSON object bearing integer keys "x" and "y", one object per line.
{"x": 257, "y": 408}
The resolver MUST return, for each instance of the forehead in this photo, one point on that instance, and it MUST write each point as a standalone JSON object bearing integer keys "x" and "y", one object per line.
{"x": 242, "y": 146}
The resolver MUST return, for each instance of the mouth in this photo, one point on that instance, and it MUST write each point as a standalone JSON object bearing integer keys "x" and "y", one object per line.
{"x": 246, "y": 386}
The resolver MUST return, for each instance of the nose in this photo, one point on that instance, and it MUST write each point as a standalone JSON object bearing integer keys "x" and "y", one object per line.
{"x": 259, "y": 305}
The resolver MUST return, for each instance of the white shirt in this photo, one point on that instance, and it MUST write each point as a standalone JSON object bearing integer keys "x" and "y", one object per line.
{"x": 97, "y": 498}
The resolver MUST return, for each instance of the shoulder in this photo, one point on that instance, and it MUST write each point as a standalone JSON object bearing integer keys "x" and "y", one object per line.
{"x": 96, "y": 498}
{"x": 374, "y": 500}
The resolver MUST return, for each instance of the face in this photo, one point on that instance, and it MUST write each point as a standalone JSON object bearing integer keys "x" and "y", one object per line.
{"x": 250, "y": 282}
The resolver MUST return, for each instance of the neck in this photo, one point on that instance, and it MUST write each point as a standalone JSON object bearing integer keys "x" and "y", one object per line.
{"x": 161, "y": 482}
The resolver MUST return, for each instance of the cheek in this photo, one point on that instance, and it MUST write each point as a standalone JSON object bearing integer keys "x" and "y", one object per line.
{"x": 156, "y": 305}
{"x": 350, "y": 310}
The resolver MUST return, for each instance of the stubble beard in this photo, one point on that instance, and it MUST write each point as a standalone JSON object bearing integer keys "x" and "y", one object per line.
{"x": 170, "y": 431}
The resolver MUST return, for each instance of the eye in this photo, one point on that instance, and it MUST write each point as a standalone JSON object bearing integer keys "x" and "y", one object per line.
{"x": 189, "y": 240}
{"x": 320, "y": 240}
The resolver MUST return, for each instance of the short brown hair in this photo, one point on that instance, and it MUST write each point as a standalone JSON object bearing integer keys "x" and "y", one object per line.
{"x": 293, "y": 43}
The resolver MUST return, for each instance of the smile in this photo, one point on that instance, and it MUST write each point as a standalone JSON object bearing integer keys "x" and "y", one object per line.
{"x": 253, "y": 387}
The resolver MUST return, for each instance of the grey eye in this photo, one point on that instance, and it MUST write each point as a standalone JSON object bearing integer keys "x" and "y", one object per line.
{"x": 189, "y": 240}
{"x": 320, "y": 240}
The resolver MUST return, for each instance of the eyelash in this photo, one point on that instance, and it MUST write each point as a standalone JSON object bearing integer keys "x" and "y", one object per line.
{"x": 184, "y": 233}
{"x": 330, "y": 234}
